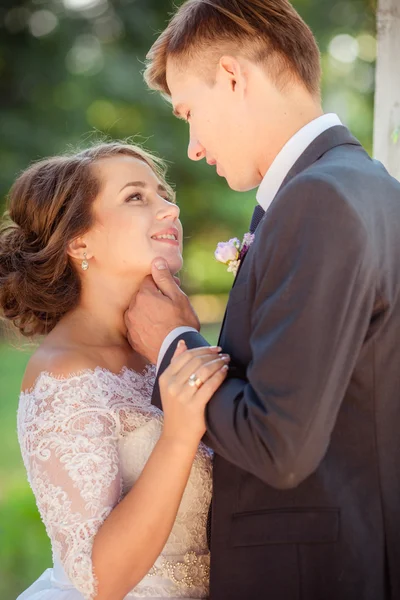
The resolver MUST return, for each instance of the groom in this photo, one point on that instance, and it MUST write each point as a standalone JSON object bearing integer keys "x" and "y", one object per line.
{"x": 306, "y": 430}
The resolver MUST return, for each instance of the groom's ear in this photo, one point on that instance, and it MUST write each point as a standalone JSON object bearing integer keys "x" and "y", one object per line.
{"x": 232, "y": 71}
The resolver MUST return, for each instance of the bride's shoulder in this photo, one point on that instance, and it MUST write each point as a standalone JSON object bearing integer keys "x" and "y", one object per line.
{"x": 60, "y": 362}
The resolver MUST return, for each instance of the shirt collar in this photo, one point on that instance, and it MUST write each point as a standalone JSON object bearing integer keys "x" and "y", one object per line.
{"x": 289, "y": 154}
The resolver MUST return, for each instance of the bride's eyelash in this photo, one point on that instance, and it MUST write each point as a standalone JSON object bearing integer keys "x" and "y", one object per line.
{"x": 189, "y": 114}
{"x": 137, "y": 195}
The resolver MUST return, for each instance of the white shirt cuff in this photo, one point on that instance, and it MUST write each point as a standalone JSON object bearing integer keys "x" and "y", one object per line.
{"x": 169, "y": 339}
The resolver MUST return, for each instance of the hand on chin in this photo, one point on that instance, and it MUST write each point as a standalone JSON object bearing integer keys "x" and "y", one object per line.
{"x": 170, "y": 252}
{"x": 157, "y": 309}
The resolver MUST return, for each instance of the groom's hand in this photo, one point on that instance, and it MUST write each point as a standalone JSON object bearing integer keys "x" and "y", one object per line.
{"x": 157, "y": 309}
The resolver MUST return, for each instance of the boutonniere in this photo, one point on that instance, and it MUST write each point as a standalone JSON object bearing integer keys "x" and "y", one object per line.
{"x": 232, "y": 253}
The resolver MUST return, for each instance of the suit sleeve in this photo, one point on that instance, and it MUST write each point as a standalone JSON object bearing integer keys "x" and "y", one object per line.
{"x": 169, "y": 340}
{"x": 314, "y": 295}
{"x": 193, "y": 339}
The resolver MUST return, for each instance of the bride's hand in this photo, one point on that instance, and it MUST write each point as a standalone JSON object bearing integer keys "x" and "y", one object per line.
{"x": 184, "y": 404}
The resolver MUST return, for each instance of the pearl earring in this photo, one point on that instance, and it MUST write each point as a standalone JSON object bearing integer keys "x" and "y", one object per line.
{"x": 84, "y": 264}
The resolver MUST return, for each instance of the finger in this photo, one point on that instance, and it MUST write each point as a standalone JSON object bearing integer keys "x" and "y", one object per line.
{"x": 184, "y": 386}
{"x": 148, "y": 285}
{"x": 208, "y": 389}
{"x": 178, "y": 363}
{"x": 163, "y": 278}
{"x": 181, "y": 347}
{"x": 132, "y": 303}
{"x": 129, "y": 339}
{"x": 177, "y": 280}
{"x": 202, "y": 366}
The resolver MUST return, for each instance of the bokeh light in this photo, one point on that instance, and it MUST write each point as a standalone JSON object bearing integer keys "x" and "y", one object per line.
{"x": 82, "y": 4}
{"x": 42, "y": 22}
{"x": 344, "y": 48}
{"x": 86, "y": 56}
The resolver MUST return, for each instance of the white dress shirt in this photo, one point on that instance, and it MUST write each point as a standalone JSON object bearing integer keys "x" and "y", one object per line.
{"x": 271, "y": 183}
{"x": 289, "y": 155}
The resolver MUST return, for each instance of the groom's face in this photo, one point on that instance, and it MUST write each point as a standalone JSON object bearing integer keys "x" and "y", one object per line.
{"x": 219, "y": 126}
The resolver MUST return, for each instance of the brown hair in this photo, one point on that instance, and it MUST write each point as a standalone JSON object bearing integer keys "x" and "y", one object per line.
{"x": 267, "y": 32}
{"x": 50, "y": 204}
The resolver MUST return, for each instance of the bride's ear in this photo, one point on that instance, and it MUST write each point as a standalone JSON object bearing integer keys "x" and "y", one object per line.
{"x": 78, "y": 248}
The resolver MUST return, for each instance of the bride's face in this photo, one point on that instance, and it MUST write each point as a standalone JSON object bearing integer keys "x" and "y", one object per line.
{"x": 134, "y": 220}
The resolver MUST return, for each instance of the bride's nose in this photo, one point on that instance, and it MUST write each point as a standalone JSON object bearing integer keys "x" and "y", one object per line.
{"x": 169, "y": 210}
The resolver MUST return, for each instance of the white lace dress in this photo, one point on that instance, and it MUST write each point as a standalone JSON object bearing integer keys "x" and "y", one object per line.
{"x": 85, "y": 440}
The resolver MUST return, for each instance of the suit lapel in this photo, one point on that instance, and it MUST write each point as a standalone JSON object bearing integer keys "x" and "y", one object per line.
{"x": 329, "y": 139}
{"x": 233, "y": 285}
{"x": 335, "y": 136}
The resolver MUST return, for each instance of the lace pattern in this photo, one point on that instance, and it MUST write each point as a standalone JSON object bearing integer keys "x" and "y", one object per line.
{"x": 84, "y": 440}
{"x": 193, "y": 570}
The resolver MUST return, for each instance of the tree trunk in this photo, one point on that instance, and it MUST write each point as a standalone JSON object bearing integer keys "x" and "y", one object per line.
{"x": 387, "y": 94}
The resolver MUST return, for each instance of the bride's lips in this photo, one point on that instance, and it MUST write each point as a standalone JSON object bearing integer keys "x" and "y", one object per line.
{"x": 167, "y": 236}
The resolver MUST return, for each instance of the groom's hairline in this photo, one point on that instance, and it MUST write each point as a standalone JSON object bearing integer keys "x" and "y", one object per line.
{"x": 179, "y": 42}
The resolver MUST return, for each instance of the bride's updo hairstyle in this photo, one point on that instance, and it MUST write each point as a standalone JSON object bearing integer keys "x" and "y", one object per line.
{"x": 49, "y": 205}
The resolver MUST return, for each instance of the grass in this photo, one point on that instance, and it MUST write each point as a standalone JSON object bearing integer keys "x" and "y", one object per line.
{"x": 24, "y": 547}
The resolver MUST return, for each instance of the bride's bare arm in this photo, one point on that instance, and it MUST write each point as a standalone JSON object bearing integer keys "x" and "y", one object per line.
{"x": 133, "y": 536}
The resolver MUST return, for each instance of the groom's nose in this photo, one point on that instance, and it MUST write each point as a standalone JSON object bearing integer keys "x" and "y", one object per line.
{"x": 195, "y": 150}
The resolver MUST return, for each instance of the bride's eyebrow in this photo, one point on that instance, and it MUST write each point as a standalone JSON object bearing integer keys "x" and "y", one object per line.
{"x": 142, "y": 184}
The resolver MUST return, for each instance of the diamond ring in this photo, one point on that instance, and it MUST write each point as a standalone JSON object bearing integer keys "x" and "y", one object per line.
{"x": 195, "y": 381}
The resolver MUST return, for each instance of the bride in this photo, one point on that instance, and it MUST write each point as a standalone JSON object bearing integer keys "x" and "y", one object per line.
{"x": 122, "y": 488}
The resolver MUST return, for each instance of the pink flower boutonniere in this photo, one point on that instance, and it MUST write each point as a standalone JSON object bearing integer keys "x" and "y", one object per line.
{"x": 232, "y": 253}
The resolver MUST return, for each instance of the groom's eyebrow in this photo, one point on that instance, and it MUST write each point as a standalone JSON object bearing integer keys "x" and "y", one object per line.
{"x": 142, "y": 184}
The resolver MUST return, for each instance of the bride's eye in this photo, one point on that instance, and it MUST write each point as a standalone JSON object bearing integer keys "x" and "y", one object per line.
{"x": 135, "y": 197}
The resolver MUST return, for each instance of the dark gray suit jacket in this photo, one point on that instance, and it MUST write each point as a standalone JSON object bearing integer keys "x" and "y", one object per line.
{"x": 306, "y": 429}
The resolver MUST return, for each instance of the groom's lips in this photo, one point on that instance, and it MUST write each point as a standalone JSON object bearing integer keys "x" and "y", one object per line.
{"x": 214, "y": 162}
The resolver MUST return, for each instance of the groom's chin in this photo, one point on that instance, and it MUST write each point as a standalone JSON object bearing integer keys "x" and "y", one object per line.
{"x": 243, "y": 186}
{"x": 243, "y": 183}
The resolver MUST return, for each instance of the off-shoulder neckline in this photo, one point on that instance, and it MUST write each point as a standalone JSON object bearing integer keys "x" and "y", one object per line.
{"x": 148, "y": 370}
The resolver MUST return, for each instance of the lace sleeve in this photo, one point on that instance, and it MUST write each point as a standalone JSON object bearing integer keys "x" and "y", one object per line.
{"x": 68, "y": 437}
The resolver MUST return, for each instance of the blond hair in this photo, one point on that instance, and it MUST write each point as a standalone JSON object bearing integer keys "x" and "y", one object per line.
{"x": 268, "y": 32}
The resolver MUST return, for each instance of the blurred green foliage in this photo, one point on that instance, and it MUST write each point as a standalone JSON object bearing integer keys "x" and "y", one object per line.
{"x": 70, "y": 71}
{"x": 24, "y": 547}
{"x": 69, "y": 75}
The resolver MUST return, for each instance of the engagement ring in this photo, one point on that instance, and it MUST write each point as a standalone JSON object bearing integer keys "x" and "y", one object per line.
{"x": 195, "y": 381}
